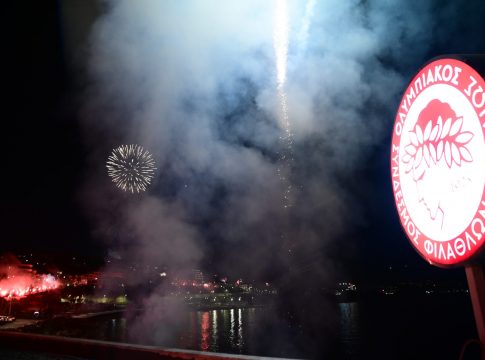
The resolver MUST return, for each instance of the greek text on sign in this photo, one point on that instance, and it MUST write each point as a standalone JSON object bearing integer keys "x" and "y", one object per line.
{"x": 438, "y": 162}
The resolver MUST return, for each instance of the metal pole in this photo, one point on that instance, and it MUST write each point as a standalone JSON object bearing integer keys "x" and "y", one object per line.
{"x": 476, "y": 285}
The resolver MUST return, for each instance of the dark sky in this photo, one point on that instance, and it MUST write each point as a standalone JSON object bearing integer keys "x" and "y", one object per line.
{"x": 44, "y": 159}
{"x": 47, "y": 156}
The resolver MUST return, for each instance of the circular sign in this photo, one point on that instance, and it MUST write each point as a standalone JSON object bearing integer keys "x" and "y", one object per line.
{"x": 438, "y": 162}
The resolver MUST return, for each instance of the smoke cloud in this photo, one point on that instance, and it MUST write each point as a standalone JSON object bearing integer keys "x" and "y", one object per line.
{"x": 195, "y": 84}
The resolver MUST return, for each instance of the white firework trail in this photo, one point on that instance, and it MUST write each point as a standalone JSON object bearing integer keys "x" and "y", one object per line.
{"x": 131, "y": 168}
{"x": 280, "y": 40}
{"x": 280, "y": 43}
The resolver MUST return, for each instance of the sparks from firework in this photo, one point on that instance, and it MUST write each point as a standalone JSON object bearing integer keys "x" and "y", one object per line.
{"x": 131, "y": 168}
{"x": 280, "y": 43}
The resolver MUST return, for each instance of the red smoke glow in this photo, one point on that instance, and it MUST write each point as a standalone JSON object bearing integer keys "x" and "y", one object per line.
{"x": 19, "y": 286}
{"x": 18, "y": 280}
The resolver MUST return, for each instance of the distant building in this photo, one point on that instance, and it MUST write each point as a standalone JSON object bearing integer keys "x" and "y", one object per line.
{"x": 198, "y": 276}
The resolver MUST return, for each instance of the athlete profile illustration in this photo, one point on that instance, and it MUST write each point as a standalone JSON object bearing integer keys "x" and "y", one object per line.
{"x": 437, "y": 148}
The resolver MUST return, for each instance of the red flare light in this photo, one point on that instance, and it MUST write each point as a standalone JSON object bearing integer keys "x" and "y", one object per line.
{"x": 23, "y": 285}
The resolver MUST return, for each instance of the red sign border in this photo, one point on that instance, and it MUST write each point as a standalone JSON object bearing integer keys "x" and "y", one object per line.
{"x": 468, "y": 256}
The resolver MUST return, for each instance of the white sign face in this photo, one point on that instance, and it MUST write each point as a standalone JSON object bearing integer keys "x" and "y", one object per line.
{"x": 438, "y": 162}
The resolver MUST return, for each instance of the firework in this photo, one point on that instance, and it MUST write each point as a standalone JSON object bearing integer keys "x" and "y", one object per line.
{"x": 131, "y": 168}
{"x": 280, "y": 43}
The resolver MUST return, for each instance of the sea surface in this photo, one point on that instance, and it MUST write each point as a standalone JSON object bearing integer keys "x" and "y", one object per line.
{"x": 434, "y": 327}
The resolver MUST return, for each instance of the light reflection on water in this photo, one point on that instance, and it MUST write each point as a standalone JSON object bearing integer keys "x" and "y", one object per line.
{"x": 221, "y": 330}
{"x": 217, "y": 330}
{"x": 350, "y": 332}
{"x": 232, "y": 331}
{"x": 239, "y": 329}
{"x": 204, "y": 331}
{"x": 214, "y": 338}
{"x": 365, "y": 330}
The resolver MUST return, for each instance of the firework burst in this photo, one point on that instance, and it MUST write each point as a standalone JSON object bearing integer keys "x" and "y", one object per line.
{"x": 131, "y": 168}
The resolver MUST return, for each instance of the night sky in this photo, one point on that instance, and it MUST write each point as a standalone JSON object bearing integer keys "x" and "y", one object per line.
{"x": 53, "y": 155}
{"x": 44, "y": 159}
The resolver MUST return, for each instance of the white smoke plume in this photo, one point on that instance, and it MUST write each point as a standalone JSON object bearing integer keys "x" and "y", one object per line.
{"x": 194, "y": 82}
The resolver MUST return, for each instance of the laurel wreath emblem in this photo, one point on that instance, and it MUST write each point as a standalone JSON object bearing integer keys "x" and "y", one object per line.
{"x": 443, "y": 140}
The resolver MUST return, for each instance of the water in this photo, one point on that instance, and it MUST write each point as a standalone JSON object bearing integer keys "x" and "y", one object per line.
{"x": 375, "y": 329}
{"x": 427, "y": 328}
